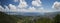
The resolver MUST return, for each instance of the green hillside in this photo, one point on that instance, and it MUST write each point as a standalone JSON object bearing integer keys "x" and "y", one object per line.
{"x": 4, "y": 18}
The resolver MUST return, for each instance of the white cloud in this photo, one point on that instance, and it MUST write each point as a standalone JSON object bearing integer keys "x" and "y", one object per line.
{"x": 36, "y": 3}
{"x": 32, "y": 9}
{"x": 22, "y": 10}
{"x": 22, "y": 4}
{"x": 6, "y": 7}
{"x": 12, "y": 7}
{"x": 1, "y": 8}
{"x": 43, "y": 10}
{"x": 56, "y": 5}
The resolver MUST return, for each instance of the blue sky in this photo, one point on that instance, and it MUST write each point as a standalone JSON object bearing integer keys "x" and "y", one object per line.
{"x": 45, "y": 3}
{"x": 29, "y": 5}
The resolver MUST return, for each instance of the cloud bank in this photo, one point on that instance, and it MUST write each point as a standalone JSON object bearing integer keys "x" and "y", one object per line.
{"x": 1, "y": 8}
{"x": 36, "y": 3}
{"x": 22, "y": 7}
{"x": 22, "y": 4}
{"x": 56, "y": 6}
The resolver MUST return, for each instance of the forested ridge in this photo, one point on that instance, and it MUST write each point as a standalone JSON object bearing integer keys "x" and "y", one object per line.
{"x": 4, "y": 18}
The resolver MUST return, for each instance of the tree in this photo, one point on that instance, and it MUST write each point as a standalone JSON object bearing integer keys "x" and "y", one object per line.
{"x": 57, "y": 18}
{"x": 4, "y": 18}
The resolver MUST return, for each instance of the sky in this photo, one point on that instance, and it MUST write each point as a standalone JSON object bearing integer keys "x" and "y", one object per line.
{"x": 29, "y": 5}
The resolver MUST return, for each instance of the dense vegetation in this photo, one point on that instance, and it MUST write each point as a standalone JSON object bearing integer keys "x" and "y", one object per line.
{"x": 4, "y": 18}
